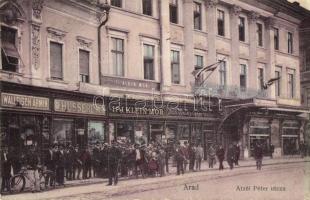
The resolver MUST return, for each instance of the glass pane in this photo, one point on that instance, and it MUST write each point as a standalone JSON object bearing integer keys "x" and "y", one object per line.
{"x": 170, "y": 133}
{"x": 184, "y": 132}
{"x": 141, "y": 133}
{"x": 125, "y": 131}
{"x": 96, "y": 130}
{"x": 62, "y": 131}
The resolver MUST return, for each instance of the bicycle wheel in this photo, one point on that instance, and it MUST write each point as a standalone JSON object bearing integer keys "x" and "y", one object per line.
{"x": 17, "y": 183}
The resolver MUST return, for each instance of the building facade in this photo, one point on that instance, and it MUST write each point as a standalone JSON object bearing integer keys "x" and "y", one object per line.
{"x": 76, "y": 72}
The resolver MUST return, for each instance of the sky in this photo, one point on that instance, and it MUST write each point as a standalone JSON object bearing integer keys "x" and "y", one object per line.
{"x": 303, "y": 3}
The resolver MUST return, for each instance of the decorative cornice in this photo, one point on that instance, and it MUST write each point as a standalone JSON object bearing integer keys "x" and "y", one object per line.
{"x": 253, "y": 16}
{"x": 84, "y": 42}
{"x": 56, "y": 33}
{"x": 211, "y": 3}
{"x": 236, "y": 10}
{"x": 37, "y": 6}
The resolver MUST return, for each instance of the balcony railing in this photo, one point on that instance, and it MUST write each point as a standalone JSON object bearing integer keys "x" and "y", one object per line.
{"x": 229, "y": 92}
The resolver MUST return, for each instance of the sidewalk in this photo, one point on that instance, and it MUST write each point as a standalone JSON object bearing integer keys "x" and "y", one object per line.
{"x": 98, "y": 186}
{"x": 204, "y": 167}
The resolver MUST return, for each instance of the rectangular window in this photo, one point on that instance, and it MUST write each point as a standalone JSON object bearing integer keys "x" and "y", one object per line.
{"x": 197, "y": 16}
{"x": 259, "y": 32}
{"x": 276, "y": 39}
{"x": 175, "y": 67}
{"x": 199, "y": 62}
{"x": 117, "y": 3}
{"x": 242, "y": 29}
{"x": 220, "y": 23}
{"x": 290, "y": 85}
{"x": 84, "y": 65}
{"x": 223, "y": 71}
{"x": 278, "y": 83}
{"x": 289, "y": 43}
{"x": 56, "y": 60}
{"x": 173, "y": 9}
{"x": 118, "y": 56}
{"x": 261, "y": 78}
{"x": 148, "y": 61}
{"x": 147, "y": 7}
{"x": 9, "y": 53}
{"x": 243, "y": 76}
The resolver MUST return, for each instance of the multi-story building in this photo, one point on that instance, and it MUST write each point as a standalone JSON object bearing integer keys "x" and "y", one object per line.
{"x": 77, "y": 72}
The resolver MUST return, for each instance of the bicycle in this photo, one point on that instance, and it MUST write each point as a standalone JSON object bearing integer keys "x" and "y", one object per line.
{"x": 18, "y": 181}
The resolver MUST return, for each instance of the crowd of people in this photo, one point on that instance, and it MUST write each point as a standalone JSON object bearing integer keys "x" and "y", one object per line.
{"x": 122, "y": 158}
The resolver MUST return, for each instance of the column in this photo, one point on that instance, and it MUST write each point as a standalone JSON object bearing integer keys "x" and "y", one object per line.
{"x": 189, "y": 43}
{"x": 211, "y": 38}
{"x": 253, "y": 16}
{"x": 165, "y": 68}
{"x": 269, "y": 44}
{"x": 234, "y": 29}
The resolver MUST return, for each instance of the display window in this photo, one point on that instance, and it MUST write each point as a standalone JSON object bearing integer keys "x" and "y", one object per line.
{"x": 96, "y": 132}
{"x": 170, "y": 133}
{"x": 290, "y": 137}
{"x": 125, "y": 131}
{"x": 141, "y": 133}
{"x": 63, "y": 131}
{"x": 156, "y": 132}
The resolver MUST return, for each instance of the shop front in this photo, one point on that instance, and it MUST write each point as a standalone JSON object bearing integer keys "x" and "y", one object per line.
{"x": 290, "y": 137}
{"x": 34, "y": 116}
{"x": 145, "y": 123}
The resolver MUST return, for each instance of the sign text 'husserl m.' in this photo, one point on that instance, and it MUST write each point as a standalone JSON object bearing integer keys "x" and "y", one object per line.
{"x": 79, "y": 107}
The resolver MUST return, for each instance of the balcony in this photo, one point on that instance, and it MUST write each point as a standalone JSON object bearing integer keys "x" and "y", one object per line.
{"x": 230, "y": 92}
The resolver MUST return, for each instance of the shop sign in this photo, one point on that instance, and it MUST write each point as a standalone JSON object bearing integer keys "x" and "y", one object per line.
{"x": 130, "y": 83}
{"x": 78, "y": 107}
{"x": 24, "y": 101}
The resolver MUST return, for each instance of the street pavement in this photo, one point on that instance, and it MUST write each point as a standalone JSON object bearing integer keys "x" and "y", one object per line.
{"x": 293, "y": 172}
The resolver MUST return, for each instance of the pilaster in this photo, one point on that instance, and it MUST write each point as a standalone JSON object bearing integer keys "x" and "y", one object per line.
{"x": 253, "y": 16}
{"x": 165, "y": 45}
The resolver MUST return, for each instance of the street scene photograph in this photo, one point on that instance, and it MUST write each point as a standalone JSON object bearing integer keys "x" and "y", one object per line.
{"x": 155, "y": 99}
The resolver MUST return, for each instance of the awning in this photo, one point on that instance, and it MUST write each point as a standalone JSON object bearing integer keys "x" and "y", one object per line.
{"x": 290, "y": 110}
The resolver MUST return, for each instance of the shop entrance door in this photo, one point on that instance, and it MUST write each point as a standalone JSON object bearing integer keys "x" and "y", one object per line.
{"x": 262, "y": 140}
{"x": 62, "y": 131}
{"x": 156, "y": 132}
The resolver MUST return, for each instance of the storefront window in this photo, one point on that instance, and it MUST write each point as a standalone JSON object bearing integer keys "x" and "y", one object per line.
{"x": 62, "y": 131}
{"x": 141, "y": 133}
{"x": 156, "y": 132}
{"x": 95, "y": 132}
{"x": 125, "y": 131}
{"x": 290, "y": 137}
{"x": 184, "y": 132}
{"x": 170, "y": 133}
{"x": 196, "y": 134}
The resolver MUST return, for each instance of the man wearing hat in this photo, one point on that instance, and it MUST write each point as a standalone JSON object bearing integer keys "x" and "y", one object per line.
{"x": 96, "y": 159}
{"x": 114, "y": 156}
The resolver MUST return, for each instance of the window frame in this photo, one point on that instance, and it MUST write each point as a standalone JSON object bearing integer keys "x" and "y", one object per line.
{"x": 290, "y": 43}
{"x": 144, "y": 9}
{"x": 153, "y": 61}
{"x": 17, "y": 65}
{"x": 197, "y": 14}
{"x": 224, "y": 73}
{"x": 241, "y": 37}
{"x": 261, "y": 78}
{"x": 219, "y": 12}
{"x": 117, "y": 52}
{"x": 291, "y": 83}
{"x": 89, "y": 65}
{"x": 196, "y": 67}
{"x": 243, "y": 68}
{"x": 173, "y": 63}
{"x": 276, "y": 38}
{"x": 63, "y": 59}
{"x": 120, "y": 3}
{"x": 173, "y": 4}
{"x": 278, "y": 82}
{"x": 259, "y": 34}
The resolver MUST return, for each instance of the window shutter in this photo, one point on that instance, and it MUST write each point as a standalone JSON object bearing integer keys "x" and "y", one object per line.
{"x": 56, "y": 60}
{"x": 84, "y": 62}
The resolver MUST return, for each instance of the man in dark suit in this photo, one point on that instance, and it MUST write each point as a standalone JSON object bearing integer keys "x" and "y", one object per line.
{"x": 179, "y": 157}
{"x": 96, "y": 159}
{"x": 6, "y": 165}
{"x": 49, "y": 162}
{"x": 60, "y": 166}
{"x": 114, "y": 156}
{"x": 220, "y": 153}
